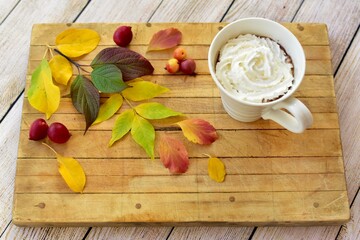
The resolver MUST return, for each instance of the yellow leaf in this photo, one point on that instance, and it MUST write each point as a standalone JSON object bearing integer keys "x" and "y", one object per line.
{"x": 43, "y": 95}
{"x": 109, "y": 108}
{"x": 77, "y": 42}
{"x": 61, "y": 69}
{"x": 216, "y": 169}
{"x": 122, "y": 125}
{"x": 72, "y": 173}
{"x": 143, "y": 90}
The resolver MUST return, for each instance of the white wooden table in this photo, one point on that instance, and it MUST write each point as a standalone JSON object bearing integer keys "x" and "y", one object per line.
{"x": 17, "y": 17}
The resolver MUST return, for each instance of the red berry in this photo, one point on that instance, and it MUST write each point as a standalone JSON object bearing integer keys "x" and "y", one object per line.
{"x": 38, "y": 129}
{"x": 188, "y": 66}
{"x": 123, "y": 36}
{"x": 58, "y": 133}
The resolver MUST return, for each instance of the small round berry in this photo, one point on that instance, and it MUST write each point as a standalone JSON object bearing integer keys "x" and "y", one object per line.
{"x": 188, "y": 66}
{"x": 38, "y": 129}
{"x": 58, "y": 133}
{"x": 172, "y": 66}
{"x": 179, "y": 53}
{"x": 123, "y": 36}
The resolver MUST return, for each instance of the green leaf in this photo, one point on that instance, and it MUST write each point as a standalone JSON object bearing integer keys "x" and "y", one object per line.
{"x": 131, "y": 64}
{"x": 144, "y": 134}
{"x": 122, "y": 125}
{"x": 155, "y": 110}
{"x": 109, "y": 108}
{"x": 85, "y": 98}
{"x": 143, "y": 90}
{"x": 108, "y": 79}
{"x": 43, "y": 95}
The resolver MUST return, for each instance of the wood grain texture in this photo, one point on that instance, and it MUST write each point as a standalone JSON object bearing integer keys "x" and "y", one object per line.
{"x": 281, "y": 11}
{"x": 49, "y": 233}
{"x": 6, "y": 7}
{"x": 194, "y": 190}
{"x": 342, "y": 25}
{"x": 190, "y": 11}
{"x": 119, "y": 11}
{"x": 346, "y": 84}
{"x": 9, "y": 135}
{"x": 124, "y": 233}
{"x": 352, "y": 229}
{"x": 16, "y": 32}
{"x": 210, "y": 233}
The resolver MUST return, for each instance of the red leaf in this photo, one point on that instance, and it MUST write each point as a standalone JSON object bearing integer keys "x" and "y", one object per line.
{"x": 165, "y": 39}
{"x": 173, "y": 154}
{"x": 198, "y": 131}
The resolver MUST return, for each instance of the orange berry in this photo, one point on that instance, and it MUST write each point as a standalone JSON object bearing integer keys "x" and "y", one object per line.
{"x": 179, "y": 53}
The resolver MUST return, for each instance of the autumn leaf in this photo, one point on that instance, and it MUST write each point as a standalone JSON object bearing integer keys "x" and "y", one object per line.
{"x": 77, "y": 42}
{"x": 143, "y": 90}
{"x": 216, "y": 169}
{"x": 131, "y": 64}
{"x": 165, "y": 39}
{"x": 154, "y": 110}
{"x": 71, "y": 171}
{"x": 43, "y": 95}
{"x": 198, "y": 131}
{"x": 173, "y": 154}
{"x": 109, "y": 108}
{"x": 122, "y": 125}
{"x": 108, "y": 79}
{"x": 144, "y": 134}
{"x": 61, "y": 69}
{"x": 86, "y": 99}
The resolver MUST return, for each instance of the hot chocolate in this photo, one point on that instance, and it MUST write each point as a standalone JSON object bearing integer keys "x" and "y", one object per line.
{"x": 254, "y": 69}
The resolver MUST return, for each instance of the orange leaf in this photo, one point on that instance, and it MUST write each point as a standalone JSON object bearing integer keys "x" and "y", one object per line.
{"x": 165, "y": 39}
{"x": 198, "y": 131}
{"x": 173, "y": 154}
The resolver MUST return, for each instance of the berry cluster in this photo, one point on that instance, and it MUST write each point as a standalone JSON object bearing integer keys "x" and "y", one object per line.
{"x": 57, "y": 132}
{"x": 180, "y": 63}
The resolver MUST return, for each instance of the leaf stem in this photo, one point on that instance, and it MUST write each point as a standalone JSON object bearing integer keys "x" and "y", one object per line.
{"x": 47, "y": 49}
{"x": 128, "y": 102}
{"x": 207, "y": 155}
{"x": 50, "y": 148}
{"x": 78, "y": 66}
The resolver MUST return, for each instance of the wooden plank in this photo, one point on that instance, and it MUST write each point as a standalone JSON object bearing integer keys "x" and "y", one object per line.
{"x": 6, "y": 8}
{"x": 74, "y": 121}
{"x": 281, "y": 11}
{"x": 313, "y": 67}
{"x": 175, "y": 208}
{"x": 203, "y": 86}
{"x": 194, "y": 106}
{"x": 125, "y": 233}
{"x": 9, "y": 137}
{"x": 198, "y": 52}
{"x": 186, "y": 184}
{"x": 14, "y": 46}
{"x": 352, "y": 229}
{"x": 210, "y": 233}
{"x": 258, "y": 144}
{"x": 190, "y": 11}
{"x": 59, "y": 233}
{"x": 196, "y": 33}
{"x": 342, "y": 21}
{"x": 145, "y": 167}
{"x": 119, "y": 11}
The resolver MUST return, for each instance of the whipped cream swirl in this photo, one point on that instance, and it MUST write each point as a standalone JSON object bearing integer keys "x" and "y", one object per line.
{"x": 254, "y": 69}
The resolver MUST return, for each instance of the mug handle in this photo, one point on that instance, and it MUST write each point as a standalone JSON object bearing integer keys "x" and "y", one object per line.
{"x": 296, "y": 119}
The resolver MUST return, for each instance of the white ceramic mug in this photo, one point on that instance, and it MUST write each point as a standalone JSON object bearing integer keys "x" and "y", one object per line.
{"x": 287, "y": 111}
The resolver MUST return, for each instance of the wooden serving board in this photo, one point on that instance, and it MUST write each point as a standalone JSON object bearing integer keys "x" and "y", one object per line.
{"x": 274, "y": 177}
